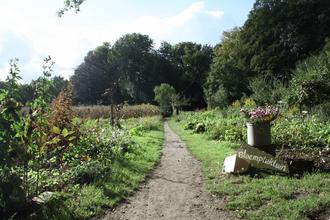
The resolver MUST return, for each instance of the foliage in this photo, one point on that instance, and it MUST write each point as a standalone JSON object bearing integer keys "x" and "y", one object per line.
{"x": 164, "y": 95}
{"x": 90, "y": 171}
{"x": 322, "y": 111}
{"x": 290, "y": 130}
{"x": 68, "y": 5}
{"x": 45, "y": 149}
{"x": 192, "y": 62}
{"x": 12, "y": 150}
{"x": 226, "y": 81}
{"x": 310, "y": 84}
{"x": 302, "y": 133}
{"x": 63, "y": 134}
{"x": 22, "y": 138}
{"x": 279, "y": 33}
{"x": 132, "y": 67}
{"x": 267, "y": 91}
{"x": 258, "y": 58}
{"x": 218, "y": 99}
{"x": 93, "y": 77}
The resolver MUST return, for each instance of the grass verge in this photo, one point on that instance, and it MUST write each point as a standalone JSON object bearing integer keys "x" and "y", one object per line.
{"x": 269, "y": 197}
{"x": 127, "y": 173}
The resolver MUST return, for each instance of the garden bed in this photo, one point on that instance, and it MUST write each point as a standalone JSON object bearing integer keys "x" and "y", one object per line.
{"x": 254, "y": 196}
{"x": 308, "y": 160}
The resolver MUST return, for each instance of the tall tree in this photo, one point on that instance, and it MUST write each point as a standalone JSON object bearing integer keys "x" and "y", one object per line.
{"x": 188, "y": 64}
{"x": 279, "y": 33}
{"x": 93, "y": 76}
{"x": 226, "y": 80}
{"x": 134, "y": 59}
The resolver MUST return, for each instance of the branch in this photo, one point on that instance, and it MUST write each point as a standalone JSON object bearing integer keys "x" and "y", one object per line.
{"x": 69, "y": 5}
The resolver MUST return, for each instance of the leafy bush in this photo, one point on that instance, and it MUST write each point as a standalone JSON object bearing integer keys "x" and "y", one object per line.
{"x": 301, "y": 133}
{"x": 22, "y": 138}
{"x": 90, "y": 171}
{"x": 266, "y": 92}
{"x": 322, "y": 111}
{"x": 310, "y": 84}
{"x": 99, "y": 139}
{"x": 165, "y": 95}
{"x": 218, "y": 99}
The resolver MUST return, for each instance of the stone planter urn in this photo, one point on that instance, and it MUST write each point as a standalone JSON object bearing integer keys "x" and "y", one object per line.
{"x": 258, "y": 134}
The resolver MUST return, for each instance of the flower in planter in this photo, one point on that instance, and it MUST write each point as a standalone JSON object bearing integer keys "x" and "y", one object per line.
{"x": 260, "y": 114}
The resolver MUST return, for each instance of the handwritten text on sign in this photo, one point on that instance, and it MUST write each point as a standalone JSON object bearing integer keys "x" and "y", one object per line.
{"x": 261, "y": 159}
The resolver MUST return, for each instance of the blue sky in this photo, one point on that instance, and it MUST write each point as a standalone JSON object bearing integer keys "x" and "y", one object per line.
{"x": 30, "y": 29}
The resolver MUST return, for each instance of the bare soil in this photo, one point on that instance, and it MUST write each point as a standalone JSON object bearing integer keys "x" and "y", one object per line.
{"x": 174, "y": 190}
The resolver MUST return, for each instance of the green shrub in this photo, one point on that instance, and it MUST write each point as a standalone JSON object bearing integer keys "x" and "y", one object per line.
{"x": 266, "y": 92}
{"x": 310, "y": 84}
{"x": 89, "y": 171}
{"x": 322, "y": 111}
{"x": 218, "y": 99}
{"x": 301, "y": 133}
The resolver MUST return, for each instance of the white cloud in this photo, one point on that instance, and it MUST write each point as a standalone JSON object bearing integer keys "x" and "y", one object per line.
{"x": 68, "y": 39}
{"x": 216, "y": 13}
{"x": 163, "y": 28}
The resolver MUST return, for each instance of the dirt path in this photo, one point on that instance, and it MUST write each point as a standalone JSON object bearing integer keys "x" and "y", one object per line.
{"x": 174, "y": 190}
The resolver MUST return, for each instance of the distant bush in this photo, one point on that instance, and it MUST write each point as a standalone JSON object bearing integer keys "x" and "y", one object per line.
{"x": 164, "y": 95}
{"x": 124, "y": 112}
{"x": 218, "y": 98}
{"x": 267, "y": 91}
{"x": 322, "y": 111}
{"x": 310, "y": 84}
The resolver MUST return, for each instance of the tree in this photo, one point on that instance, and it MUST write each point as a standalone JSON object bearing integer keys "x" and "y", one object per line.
{"x": 93, "y": 76}
{"x": 70, "y": 4}
{"x": 227, "y": 79}
{"x": 277, "y": 34}
{"x": 164, "y": 95}
{"x": 134, "y": 61}
{"x": 187, "y": 65}
{"x": 131, "y": 68}
{"x": 59, "y": 83}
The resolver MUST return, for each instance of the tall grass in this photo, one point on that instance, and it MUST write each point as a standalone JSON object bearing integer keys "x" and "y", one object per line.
{"x": 126, "y": 111}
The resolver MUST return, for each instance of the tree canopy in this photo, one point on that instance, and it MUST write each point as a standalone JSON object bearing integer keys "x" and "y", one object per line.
{"x": 133, "y": 67}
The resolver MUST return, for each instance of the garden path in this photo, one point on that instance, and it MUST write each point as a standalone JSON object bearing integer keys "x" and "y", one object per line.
{"x": 173, "y": 191}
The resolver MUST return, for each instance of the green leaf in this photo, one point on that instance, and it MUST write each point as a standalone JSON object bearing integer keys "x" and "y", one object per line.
{"x": 65, "y": 132}
{"x": 72, "y": 138}
{"x": 55, "y": 140}
{"x": 56, "y": 130}
{"x": 2, "y": 96}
